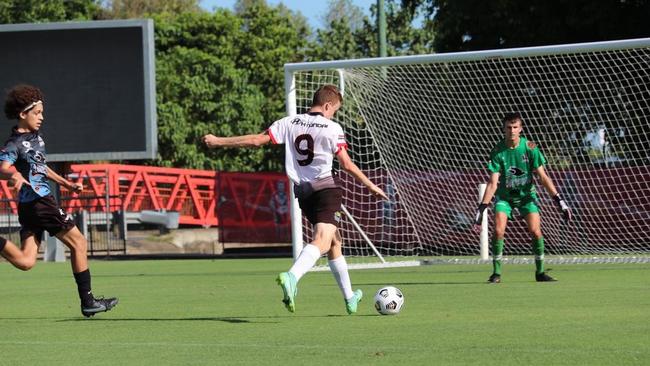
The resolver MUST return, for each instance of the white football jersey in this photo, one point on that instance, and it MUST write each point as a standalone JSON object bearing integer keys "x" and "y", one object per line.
{"x": 311, "y": 141}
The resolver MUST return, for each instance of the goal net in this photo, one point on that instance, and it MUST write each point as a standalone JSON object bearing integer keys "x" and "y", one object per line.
{"x": 422, "y": 127}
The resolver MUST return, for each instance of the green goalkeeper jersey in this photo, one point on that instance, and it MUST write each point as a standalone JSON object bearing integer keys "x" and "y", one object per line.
{"x": 516, "y": 167}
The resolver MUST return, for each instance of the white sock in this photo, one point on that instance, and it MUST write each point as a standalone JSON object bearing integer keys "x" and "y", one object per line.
{"x": 307, "y": 258}
{"x": 339, "y": 269}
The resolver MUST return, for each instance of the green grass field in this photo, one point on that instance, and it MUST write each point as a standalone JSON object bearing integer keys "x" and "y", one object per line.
{"x": 228, "y": 312}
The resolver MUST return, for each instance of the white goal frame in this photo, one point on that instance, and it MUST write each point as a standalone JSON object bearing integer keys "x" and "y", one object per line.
{"x": 291, "y": 108}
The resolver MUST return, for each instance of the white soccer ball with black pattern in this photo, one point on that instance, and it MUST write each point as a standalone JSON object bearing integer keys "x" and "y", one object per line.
{"x": 389, "y": 300}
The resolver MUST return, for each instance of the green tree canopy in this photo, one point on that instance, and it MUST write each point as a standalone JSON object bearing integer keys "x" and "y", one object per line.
{"x": 38, "y": 11}
{"x": 126, "y": 9}
{"x": 345, "y": 38}
{"x": 222, "y": 73}
{"x": 462, "y": 25}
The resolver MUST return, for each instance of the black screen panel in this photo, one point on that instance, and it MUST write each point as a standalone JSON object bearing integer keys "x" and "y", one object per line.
{"x": 98, "y": 87}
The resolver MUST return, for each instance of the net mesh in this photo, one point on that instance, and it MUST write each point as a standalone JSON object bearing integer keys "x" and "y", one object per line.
{"x": 424, "y": 133}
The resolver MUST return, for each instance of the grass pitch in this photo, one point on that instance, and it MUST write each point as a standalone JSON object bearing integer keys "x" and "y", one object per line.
{"x": 228, "y": 312}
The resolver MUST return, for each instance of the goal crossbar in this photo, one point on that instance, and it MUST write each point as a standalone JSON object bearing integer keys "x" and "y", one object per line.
{"x": 469, "y": 55}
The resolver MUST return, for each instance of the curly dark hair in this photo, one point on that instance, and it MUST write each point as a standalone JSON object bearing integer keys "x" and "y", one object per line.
{"x": 19, "y": 97}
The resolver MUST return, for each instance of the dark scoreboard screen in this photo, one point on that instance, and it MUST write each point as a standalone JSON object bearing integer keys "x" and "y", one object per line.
{"x": 98, "y": 81}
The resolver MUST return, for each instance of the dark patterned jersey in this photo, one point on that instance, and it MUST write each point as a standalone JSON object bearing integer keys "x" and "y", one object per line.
{"x": 26, "y": 151}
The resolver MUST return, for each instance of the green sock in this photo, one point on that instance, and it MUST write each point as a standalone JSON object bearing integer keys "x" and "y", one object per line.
{"x": 538, "y": 250}
{"x": 497, "y": 253}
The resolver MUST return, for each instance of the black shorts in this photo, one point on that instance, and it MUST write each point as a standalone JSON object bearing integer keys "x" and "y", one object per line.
{"x": 323, "y": 206}
{"x": 42, "y": 214}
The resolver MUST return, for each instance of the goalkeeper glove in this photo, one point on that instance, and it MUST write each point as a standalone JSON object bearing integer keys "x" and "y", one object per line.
{"x": 563, "y": 207}
{"x": 478, "y": 217}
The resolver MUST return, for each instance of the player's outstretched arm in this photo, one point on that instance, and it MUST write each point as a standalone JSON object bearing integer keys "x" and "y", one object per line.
{"x": 73, "y": 187}
{"x": 349, "y": 166}
{"x": 490, "y": 189}
{"x": 547, "y": 182}
{"x": 14, "y": 178}
{"x": 257, "y": 140}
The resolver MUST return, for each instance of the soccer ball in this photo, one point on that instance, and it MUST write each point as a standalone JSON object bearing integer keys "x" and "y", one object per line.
{"x": 389, "y": 300}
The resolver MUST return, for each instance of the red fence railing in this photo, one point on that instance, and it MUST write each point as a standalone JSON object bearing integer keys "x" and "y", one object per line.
{"x": 246, "y": 199}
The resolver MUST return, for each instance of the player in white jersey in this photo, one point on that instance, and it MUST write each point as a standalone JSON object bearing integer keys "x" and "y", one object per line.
{"x": 311, "y": 141}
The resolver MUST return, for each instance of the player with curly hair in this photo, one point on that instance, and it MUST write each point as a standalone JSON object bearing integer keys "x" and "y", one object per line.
{"x": 37, "y": 209}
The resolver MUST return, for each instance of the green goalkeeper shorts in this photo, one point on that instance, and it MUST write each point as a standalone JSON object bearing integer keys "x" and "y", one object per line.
{"x": 525, "y": 206}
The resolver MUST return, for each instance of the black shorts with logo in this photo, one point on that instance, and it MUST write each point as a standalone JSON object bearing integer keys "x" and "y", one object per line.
{"x": 42, "y": 214}
{"x": 323, "y": 206}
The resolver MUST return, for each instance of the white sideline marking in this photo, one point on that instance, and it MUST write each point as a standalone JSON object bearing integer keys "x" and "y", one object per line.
{"x": 506, "y": 260}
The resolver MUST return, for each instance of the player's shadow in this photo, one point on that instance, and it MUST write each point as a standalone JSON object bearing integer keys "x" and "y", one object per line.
{"x": 419, "y": 283}
{"x": 347, "y": 316}
{"x": 233, "y": 320}
{"x": 271, "y": 319}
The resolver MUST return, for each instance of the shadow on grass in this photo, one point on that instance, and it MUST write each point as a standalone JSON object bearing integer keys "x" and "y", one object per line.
{"x": 272, "y": 319}
{"x": 419, "y": 283}
{"x": 187, "y": 274}
{"x": 233, "y": 320}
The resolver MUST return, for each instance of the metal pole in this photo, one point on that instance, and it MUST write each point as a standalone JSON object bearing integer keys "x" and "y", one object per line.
{"x": 381, "y": 27}
{"x": 296, "y": 213}
{"x": 220, "y": 228}
{"x": 363, "y": 234}
{"x": 108, "y": 215}
{"x": 484, "y": 225}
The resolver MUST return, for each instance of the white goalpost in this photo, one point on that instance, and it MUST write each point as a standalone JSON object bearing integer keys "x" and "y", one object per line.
{"x": 422, "y": 128}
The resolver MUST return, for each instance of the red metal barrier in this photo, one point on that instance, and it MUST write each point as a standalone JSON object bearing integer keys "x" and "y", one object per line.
{"x": 190, "y": 192}
{"x": 245, "y": 197}
{"x": 254, "y": 207}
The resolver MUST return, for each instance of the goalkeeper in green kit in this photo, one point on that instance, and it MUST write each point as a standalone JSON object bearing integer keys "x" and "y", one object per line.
{"x": 513, "y": 161}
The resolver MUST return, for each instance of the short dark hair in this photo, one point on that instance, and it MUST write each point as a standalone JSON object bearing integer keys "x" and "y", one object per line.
{"x": 19, "y": 98}
{"x": 511, "y": 117}
{"x": 327, "y": 94}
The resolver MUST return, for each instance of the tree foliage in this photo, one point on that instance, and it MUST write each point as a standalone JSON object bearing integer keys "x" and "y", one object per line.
{"x": 201, "y": 90}
{"x": 339, "y": 9}
{"x": 126, "y": 9}
{"x": 344, "y": 38}
{"x": 38, "y": 11}
{"x": 221, "y": 71}
{"x": 462, "y": 25}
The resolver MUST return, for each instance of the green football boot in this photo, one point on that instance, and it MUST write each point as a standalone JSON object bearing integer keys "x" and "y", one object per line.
{"x": 287, "y": 281}
{"x": 352, "y": 303}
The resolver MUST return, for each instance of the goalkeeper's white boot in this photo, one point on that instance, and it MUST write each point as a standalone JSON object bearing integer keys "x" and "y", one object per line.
{"x": 352, "y": 303}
